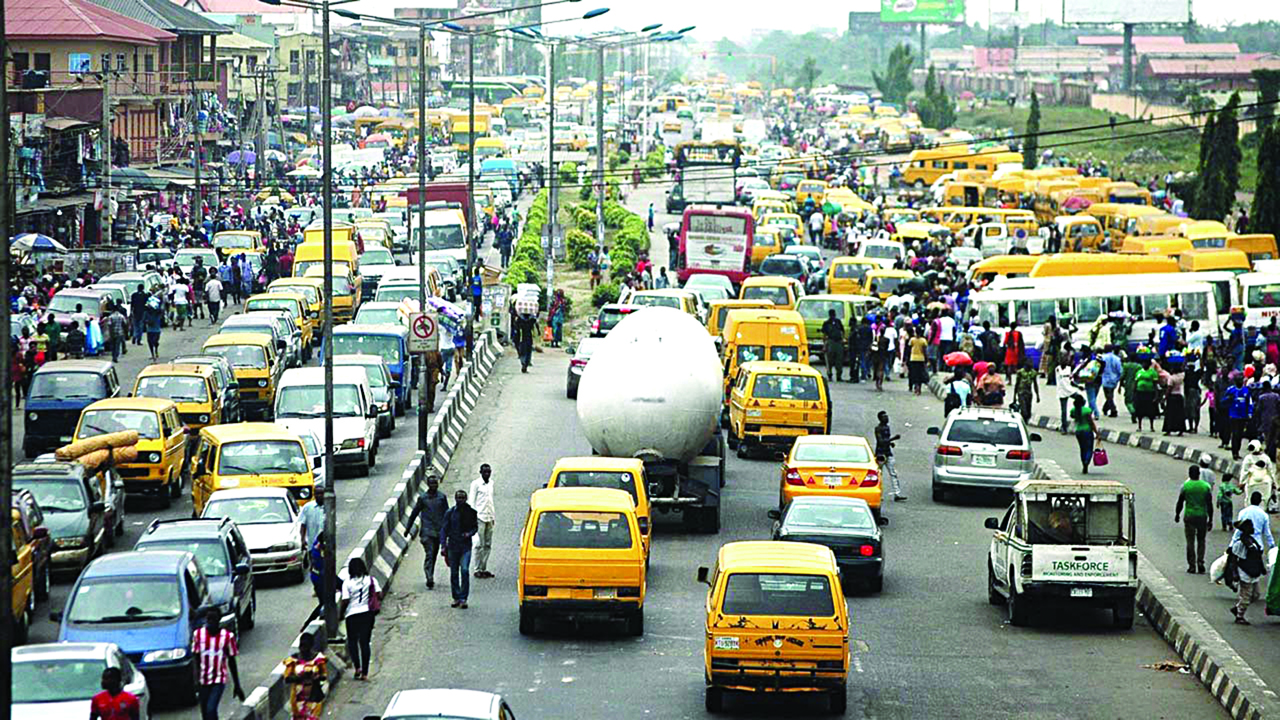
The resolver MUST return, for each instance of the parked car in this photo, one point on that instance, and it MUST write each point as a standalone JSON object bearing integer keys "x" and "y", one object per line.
{"x": 52, "y": 681}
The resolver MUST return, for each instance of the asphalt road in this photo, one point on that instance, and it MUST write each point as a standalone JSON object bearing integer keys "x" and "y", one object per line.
{"x": 929, "y": 645}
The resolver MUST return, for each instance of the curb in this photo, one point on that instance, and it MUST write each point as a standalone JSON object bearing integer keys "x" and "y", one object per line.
{"x": 383, "y": 546}
{"x": 1210, "y": 657}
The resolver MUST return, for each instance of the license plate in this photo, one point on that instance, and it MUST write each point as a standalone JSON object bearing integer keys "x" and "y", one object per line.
{"x": 984, "y": 460}
{"x": 832, "y": 481}
{"x": 1081, "y": 592}
{"x": 66, "y": 438}
{"x": 606, "y": 593}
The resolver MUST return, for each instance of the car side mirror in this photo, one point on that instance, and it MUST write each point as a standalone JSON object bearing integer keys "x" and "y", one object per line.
{"x": 882, "y": 521}
{"x": 992, "y": 523}
{"x": 934, "y": 431}
{"x": 98, "y": 507}
{"x": 372, "y": 412}
{"x": 568, "y": 351}
{"x": 56, "y": 616}
{"x": 40, "y": 533}
{"x": 395, "y": 385}
{"x": 774, "y": 515}
{"x": 244, "y": 568}
{"x": 281, "y": 345}
{"x": 1035, "y": 437}
{"x": 316, "y": 462}
{"x": 704, "y": 575}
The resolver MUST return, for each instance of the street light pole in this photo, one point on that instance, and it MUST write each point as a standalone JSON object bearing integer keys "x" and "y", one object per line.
{"x": 551, "y": 162}
{"x": 330, "y": 496}
{"x": 471, "y": 177}
{"x": 424, "y": 419}
{"x": 600, "y": 189}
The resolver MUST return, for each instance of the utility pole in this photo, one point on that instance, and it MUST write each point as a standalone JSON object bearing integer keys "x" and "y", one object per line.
{"x": 424, "y": 380}
{"x": 471, "y": 173}
{"x": 106, "y": 217}
{"x": 6, "y": 384}
{"x": 330, "y": 497}
{"x": 196, "y": 206}
{"x": 550, "y": 172}
{"x": 600, "y": 188}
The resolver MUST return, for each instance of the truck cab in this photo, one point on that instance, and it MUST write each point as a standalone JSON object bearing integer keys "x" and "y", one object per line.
{"x": 1070, "y": 541}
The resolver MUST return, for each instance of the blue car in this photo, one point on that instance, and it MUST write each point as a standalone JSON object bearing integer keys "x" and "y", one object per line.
{"x": 59, "y": 391}
{"x": 390, "y": 342}
{"x": 148, "y": 604}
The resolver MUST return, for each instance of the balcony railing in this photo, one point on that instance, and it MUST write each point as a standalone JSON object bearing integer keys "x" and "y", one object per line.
{"x": 123, "y": 83}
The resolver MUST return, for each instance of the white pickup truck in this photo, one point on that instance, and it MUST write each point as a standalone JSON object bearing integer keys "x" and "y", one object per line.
{"x": 1069, "y": 542}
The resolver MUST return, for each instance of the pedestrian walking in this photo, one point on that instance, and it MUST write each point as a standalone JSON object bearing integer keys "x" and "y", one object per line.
{"x": 215, "y": 650}
{"x": 305, "y": 672}
{"x": 361, "y": 601}
{"x": 1025, "y": 386}
{"x": 522, "y": 335}
{"x": 1014, "y": 348}
{"x": 114, "y": 702}
{"x": 833, "y": 346}
{"x": 1249, "y": 567}
{"x": 481, "y": 495}
{"x": 312, "y": 516}
{"x": 213, "y": 291}
{"x": 117, "y": 330}
{"x": 137, "y": 312}
{"x": 180, "y": 296}
{"x": 1195, "y": 508}
{"x": 1112, "y": 373}
{"x": 430, "y": 507}
{"x": 155, "y": 324}
{"x": 1228, "y": 489}
{"x": 1086, "y": 430}
{"x": 460, "y": 526}
{"x": 1144, "y": 390}
{"x": 1239, "y": 403}
{"x": 650, "y": 217}
{"x": 917, "y": 356}
{"x": 884, "y": 454}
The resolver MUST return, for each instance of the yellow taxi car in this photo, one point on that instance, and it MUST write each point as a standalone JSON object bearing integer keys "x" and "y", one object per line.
{"x": 767, "y": 241}
{"x": 346, "y": 291}
{"x": 310, "y": 288}
{"x": 626, "y": 474}
{"x": 194, "y": 388}
{"x": 229, "y": 243}
{"x": 883, "y": 283}
{"x": 162, "y": 441}
{"x": 791, "y": 221}
{"x": 582, "y": 553}
{"x": 250, "y": 455}
{"x": 256, "y": 366}
{"x": 22, "y": 578}
{"x": 782, "y": 291}
{"x": 840, "y": 465}
{"x": 718, "y": 312}
{"x": 776, "y": 622}
{"x": 293, "y": 303}
{"x": 845, "y": 274}
{"x": 773, "y": 403}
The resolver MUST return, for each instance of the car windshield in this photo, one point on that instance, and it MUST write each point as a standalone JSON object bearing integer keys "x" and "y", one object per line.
{"x": 125, "y": 600}
{"x": 386, "y": 347}
{"x": 248, "y": 323}
{"x": 232, "y": 240}
{"x": 818, "y": 309}
{"x": 262, "y": 457}
{"x": 985, "y": 430}
{"x": 373, "y": 372}
{"x": 443, "y": 237}
{"x": 887, "y": 252}
{"x": 398, "y": 293}
{"x": 153, "y": 256}
{"x": 42, "y": 681}
{"x": 884, "y": 284}
{"x": 241, "y": 356}
{"x": 101, "y": 422}
{"x": 594, "y": 530}
{"x": 597, "y": 479}
{"x": 764, "y": 239}
{"x": 178, "y": 388}
{"x": 250, "y": 511}
{"x": 378, "y": 316}
{"x": 855, "y": 271}
{"x": 307, "y": 291}
{"x": 768, "y": 293}
{"x": 657, "y": 301}
{"x": 67, "y": 304}
{"x": 307, "y": 401}
{"x": 785, "y": 266}
{"x": 786, "y": 387}
{"x": 211, "y": 554}
{"x": 831, "y": 453}
{"x": 376, "y": 256}
{"x": 67, "y": 385}
{"x": 609, "y": 319}
{"x": 54, "y": 495}
{"x": 812, "y": 515}
{"x": 268, "y": 303}
{"x": 778, "y": 594}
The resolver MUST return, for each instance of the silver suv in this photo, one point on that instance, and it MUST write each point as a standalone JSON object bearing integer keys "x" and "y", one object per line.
{"x": 981, "y": 448}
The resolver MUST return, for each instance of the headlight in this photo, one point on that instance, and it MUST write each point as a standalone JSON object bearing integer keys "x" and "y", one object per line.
{"x": 262, "y": 383}
{"x": 304, "y": 493}
{"x": 204, "y": 418}
{"x": 284, "y": 547}
{"x": 384, "y": 407}
{"x": 69, "y": 543}
{"x": 164, "y": 655}
{"x": 153, "y": 457}
{"x": 32, "y": 416}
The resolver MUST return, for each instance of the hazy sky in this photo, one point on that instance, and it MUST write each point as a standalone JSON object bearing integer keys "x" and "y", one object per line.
{"x": 736, "y": 19}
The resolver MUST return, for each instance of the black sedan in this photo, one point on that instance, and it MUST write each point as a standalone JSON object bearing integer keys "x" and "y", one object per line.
{"x": 847, "y": 526}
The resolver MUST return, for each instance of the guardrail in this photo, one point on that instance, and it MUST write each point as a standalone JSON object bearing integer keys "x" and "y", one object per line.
{"x": 384, "y": 544}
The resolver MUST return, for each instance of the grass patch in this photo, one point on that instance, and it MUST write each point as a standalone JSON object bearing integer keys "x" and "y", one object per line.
{"x": 1180, "y": 148}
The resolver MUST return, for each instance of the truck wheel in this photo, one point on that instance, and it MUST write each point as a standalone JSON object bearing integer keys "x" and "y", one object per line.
{"x": 175, "y": 486}
{"x": 993, "y": 596}
{"x": 1019, "y": 607}
{"x": 743, "y": 451}
{"x": 527, "y": 621}
{"x": 249, "y": 619}
{"x": 1122, "y": 615}
{"x": 733, "y": 441}
{"x": 714, "y": 700}
{"x": 635, "y": 623}
{"x": 839, "y": 700}
{"x": 166, "y": 497}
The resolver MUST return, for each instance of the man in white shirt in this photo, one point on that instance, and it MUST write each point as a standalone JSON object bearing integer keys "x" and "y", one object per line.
{"x": 213, "y": 296}
{"x": 481, "y": 496}
{"x": 179, "y": 292}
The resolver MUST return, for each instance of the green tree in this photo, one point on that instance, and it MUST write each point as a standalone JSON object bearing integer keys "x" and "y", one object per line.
{"x": 937, "y": 110}
{"x": 1031, "y": 145}
{"x": 808, "y": 73}
{"x": 895, "y": 84}
{"x": 1268, "y": 94}
{"x": 1220, "y": 155}
{"x": 1265, "y": 217}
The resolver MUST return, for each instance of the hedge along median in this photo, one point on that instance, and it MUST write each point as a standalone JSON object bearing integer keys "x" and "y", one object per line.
{"x": 384, "y": 544}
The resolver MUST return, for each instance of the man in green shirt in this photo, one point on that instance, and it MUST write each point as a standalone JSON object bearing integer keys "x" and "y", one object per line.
{"x": 1195, "y": 505}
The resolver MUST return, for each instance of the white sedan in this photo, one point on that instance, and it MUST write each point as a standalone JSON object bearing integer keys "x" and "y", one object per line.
{"x": 271, "y": 524}
{"x": 58, "y": 680}
{"x": 445, "y": 703}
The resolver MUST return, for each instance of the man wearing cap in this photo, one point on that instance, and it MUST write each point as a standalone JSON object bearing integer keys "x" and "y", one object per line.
{"x": 432, "y": 506}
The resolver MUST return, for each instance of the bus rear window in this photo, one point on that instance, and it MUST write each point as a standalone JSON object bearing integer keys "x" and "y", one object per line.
{"x": 778, "y": 594}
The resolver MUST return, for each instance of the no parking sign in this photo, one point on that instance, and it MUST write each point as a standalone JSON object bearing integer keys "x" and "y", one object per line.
{"x": 424, "y": 333}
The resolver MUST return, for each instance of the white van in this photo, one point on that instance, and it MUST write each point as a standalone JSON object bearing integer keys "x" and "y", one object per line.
{"x": 445, "y": 230}
{"x": 299, "y": 407}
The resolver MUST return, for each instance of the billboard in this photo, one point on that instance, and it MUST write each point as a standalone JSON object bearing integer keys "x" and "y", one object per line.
{"x": 922, "y": 11}
{"x": 1112, "y": 12}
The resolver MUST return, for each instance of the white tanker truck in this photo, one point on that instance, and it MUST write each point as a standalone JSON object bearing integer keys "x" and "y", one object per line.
{"x": 653, "y": 391}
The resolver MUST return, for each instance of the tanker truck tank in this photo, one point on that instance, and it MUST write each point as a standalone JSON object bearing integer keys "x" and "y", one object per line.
{"x": 653, "y": 391}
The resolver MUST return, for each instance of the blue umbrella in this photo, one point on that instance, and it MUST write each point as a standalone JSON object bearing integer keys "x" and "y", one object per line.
{"x": 242, "y": 157}
{"x": 36, "y": 242}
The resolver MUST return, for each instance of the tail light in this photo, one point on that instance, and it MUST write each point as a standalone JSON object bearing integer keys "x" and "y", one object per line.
{"x": 871, "y": 479}
{"x": 644, "y": 525}
{"x": 867, "y": 550}
{"x": 793, "y": 477}
{"x": 595, "y": 325}
{"x": 577, "y": 362}
{"x": 951, "y": 450}
{"x": 360, "y": 443}
{"x": 1018, "y": 455}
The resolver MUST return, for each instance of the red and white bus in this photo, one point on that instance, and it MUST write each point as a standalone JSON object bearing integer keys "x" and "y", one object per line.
{"x": 717, "y": 241}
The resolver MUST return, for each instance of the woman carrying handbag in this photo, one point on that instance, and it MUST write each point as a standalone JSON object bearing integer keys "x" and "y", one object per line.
{"x": 1086, "y": 430}
{"x": 361, "y": 601}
